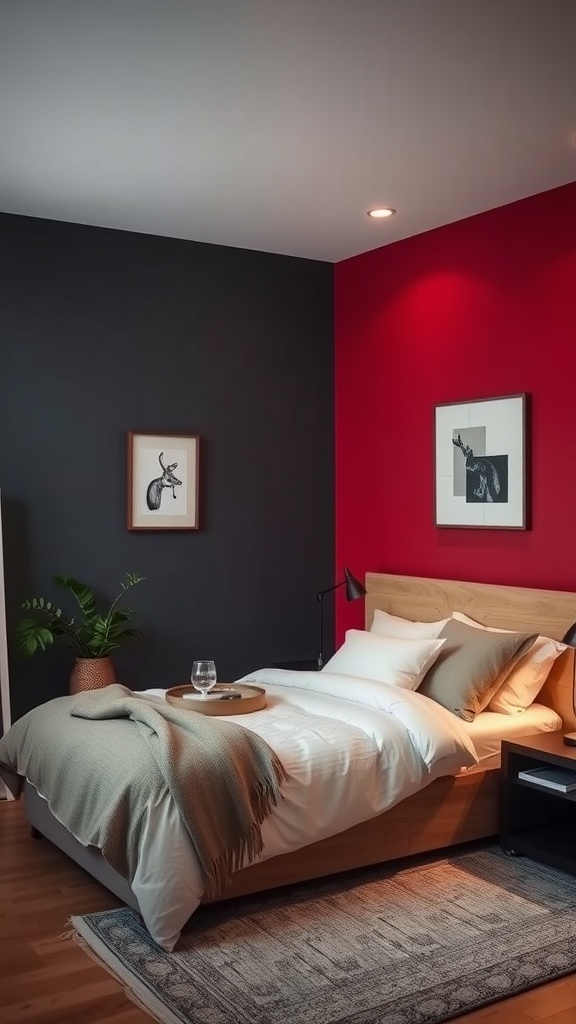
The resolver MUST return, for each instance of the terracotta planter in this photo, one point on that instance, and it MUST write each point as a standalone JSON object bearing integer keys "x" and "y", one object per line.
{"x": 91, "y": 674}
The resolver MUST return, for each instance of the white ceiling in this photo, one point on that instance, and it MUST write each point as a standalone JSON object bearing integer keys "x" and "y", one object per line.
{"x": 275, "y": 124}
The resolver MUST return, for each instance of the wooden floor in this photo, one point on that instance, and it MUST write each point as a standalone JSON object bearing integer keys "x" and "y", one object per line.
{"x": 45, "y": 978}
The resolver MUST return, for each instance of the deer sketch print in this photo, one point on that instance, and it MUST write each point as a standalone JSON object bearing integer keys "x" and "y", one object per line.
{"x": 487, "y": 483}
{"x": 156, "y": 487}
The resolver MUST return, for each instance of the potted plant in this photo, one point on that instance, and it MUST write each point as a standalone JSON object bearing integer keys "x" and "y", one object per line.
{"x": 92, "y": 634}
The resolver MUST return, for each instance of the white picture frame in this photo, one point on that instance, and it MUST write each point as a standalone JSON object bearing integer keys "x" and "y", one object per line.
{"x": 480, "y": 463}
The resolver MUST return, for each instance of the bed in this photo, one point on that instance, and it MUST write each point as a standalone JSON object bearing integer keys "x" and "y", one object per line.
{"x": 457, "y": 802}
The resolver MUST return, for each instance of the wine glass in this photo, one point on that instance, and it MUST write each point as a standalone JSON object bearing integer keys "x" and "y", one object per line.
{"x": 203, "y": 676}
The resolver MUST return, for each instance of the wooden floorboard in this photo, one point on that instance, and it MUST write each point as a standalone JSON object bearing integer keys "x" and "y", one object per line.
{"x": 45, "y": 978}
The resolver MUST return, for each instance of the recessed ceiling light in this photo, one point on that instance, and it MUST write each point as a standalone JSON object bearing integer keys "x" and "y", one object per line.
{"x": 380, "y": 213}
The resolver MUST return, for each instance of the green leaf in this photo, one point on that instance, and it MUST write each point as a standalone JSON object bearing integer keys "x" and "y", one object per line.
{"x": 83, "y": 595}
{"x": 120, "y": 615}
{"x": 92, "y": 634}
{"x": 31, "y": 636}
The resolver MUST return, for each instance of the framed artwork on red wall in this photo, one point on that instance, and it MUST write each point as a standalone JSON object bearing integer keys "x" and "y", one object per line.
{"x": 162, "y": 481}
{"x": 480, "y": 463}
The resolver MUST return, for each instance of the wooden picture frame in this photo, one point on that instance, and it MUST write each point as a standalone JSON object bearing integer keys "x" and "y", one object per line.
{"x": 480, "y": 463}
{"x": 163, "y": 475}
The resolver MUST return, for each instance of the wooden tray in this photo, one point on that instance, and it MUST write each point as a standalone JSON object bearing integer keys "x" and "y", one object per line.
{"x": 253, "y": 699}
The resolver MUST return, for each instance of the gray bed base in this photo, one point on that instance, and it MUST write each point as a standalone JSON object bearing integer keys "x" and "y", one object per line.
{"x": 90, "y": 858}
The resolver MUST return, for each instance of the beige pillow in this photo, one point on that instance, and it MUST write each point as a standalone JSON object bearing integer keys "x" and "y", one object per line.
{"x": 384, "y": 624}
{"x": 521, "y": 686}
{"x": 467, "y": 672}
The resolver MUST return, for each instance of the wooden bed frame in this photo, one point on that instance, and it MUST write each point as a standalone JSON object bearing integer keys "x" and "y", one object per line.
{"x": 450, "y": 810}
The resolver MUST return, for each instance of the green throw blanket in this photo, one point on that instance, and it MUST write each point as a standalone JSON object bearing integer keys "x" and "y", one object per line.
{"x": 101, "y": 756}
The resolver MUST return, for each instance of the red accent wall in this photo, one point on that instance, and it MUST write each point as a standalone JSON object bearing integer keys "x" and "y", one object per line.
{"x": 480, "y": 308}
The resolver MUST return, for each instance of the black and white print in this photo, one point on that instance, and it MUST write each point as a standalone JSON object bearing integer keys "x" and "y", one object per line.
{"x": 480, "y": 463}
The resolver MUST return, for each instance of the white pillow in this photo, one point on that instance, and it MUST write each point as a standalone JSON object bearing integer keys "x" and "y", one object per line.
{"x": 522, "y": 685}
{"x": 399, "y": 662}
{"x": 384, "y": 624}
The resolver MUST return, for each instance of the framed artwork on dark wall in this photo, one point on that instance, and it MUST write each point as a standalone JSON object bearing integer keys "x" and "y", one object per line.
{"x": 162, "y": 481}
{"x": 480, "y": 470}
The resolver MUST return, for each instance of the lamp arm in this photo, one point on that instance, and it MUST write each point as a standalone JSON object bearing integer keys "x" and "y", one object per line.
{"x": 329, "y": 590}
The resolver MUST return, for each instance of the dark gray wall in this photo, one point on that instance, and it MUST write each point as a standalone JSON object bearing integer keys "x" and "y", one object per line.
{"x": 102, "y": 332}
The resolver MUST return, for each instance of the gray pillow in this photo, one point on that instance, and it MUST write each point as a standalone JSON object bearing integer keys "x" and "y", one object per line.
{"x": 471, "y": 666}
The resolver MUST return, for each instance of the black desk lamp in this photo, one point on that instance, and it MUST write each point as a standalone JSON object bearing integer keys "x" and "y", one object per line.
{"x": 354, "y": 590}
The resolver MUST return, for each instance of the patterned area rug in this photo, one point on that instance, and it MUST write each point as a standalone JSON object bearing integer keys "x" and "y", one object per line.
{"x": 393, "y": 945}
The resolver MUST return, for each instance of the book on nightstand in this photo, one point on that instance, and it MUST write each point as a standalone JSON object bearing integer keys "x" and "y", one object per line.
{"x": 562, "y": 779}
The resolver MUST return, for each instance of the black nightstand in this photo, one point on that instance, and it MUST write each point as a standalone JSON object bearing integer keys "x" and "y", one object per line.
{"x": 311, "y": 665}
{"x": 534, "y": 820}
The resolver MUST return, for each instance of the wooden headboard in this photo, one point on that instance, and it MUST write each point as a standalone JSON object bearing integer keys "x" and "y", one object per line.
{"x": 549, "y": 612}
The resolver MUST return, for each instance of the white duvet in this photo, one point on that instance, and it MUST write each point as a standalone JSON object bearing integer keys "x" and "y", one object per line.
{"x": 352, "y": 748}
